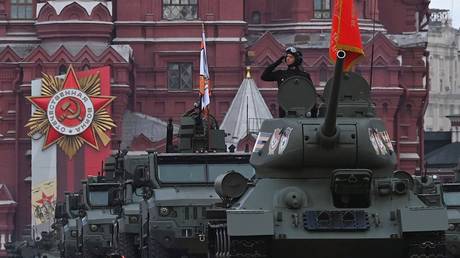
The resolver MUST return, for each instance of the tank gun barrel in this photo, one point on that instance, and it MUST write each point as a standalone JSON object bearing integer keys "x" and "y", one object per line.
{"x": 329, "y": 129}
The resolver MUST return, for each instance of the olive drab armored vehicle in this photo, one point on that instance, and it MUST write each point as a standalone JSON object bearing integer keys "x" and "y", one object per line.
{"x": 43, "y": 246}
{"x": 110, "y": 222}
{"x": 101, "y": 198}
{"x": 451, "y": 192}
{"x": 326, "y": 185}
{"x": 174, "y": 218}
{"x": 136, "y": 179}
{"x": 66, "y": 215}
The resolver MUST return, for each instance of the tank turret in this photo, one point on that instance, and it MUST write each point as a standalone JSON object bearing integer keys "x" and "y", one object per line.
{"x": 345, "y": 134}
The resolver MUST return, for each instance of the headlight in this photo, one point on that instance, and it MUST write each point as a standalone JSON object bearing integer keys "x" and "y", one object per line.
{"x": 400, "y": 187}
{"x": 451, "y": 227}
{"x": 93, "y": 228}
{"x": 164, "y": 211}
{"x": 133, "y": 219}
{"x": 73, "y": 233}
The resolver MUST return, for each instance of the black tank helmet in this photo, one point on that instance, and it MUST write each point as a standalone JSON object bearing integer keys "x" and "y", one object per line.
{"x": 297, "y": 55}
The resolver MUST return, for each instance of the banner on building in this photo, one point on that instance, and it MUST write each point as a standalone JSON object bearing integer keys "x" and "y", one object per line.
{"x": 70, "y": 130}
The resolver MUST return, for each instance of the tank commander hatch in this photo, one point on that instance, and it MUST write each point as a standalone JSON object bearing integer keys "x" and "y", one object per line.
{"x": 293, "y": 59}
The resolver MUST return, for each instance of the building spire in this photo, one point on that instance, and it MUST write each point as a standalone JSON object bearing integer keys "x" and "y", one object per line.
{"x": 248, "y": 72}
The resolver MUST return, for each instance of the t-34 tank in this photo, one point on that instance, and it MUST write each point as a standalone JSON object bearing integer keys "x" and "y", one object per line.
{"x": 326, "y": 185}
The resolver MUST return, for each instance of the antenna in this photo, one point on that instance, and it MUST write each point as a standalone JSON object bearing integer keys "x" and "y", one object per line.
{"x": 373, "y": 42}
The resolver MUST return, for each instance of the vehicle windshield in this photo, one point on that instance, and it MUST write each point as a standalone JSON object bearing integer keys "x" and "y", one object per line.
{"x": 452, "y": 198}
{"x": 182, "y": 173}
{"x": 98, "y": 193}
{"x": 99, "y": 198}
{"x": 199, "y": 173}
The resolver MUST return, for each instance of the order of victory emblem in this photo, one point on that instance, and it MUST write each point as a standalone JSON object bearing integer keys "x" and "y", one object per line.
{"x": 71, "y": 111}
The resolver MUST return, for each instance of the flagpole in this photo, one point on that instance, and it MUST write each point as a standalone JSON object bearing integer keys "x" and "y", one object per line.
{"x": 206, "y": 88}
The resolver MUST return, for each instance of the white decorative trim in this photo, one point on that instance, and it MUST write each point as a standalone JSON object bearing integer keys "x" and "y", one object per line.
{"x": 387, "y": 88}
{"x": 2, "y": 241}
{"x": 21, "y": 33}
{"x": 408, "y": 143}
{"x": 312, "y": 25}
{"x": 87, "y": 5}
{"x": 120, "y": 85}
{"x": 73, "y": 22}
{"x": 412, "y": 156}
{"x": 12, "y": 39}
{"x": 179, "y": 39}
{"x": 415, "y": 89}
{"x": 181, "y": 22}
{"x": 18, "y": 21}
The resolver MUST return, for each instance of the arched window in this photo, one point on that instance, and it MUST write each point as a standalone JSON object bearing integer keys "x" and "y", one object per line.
{"x": 38, "y": 70}
{"x": 180, "y": 10}
{"x": 385, "y": 107}
{"x": 21, "y": 9}
{"x": 322, "y": 9}
{"x": 85, "y": 67}
{"x": 409, "y": 109}
{"x": 323, "y": 74}
{"x": 62, "y": 69}
{"x": 274, "y": 109}
{"x": 255, "y": 17}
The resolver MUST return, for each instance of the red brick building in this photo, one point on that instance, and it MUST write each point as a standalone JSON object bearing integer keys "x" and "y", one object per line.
{"x": 152, "y": 47}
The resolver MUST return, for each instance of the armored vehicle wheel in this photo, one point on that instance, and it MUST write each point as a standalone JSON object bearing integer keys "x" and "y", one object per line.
{"x": 156, "y": 250}
{"x": 126, "y": 246}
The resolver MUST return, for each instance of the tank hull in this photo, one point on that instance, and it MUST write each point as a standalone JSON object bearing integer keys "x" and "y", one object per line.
{"x": 295, "y": 218}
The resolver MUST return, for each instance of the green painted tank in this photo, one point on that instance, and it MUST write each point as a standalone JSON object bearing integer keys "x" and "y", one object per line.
{"x": 327, "y": 186}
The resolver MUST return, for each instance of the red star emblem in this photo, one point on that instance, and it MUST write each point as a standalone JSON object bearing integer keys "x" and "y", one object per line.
{"x": 45, "y": 199}
{"x": 71, "y": 111}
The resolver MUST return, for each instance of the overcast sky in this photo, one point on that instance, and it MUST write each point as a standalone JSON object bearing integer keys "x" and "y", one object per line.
{"x": 452, "y": 5}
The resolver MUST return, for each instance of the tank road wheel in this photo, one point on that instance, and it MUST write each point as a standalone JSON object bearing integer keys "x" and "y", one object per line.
{"x": 425, "y": 244}
{"x": 156, "y": 250}
{"x": 126, "y": 246}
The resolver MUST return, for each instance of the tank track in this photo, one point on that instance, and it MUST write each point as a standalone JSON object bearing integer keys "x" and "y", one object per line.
{"x": 249, "y": 247}
{"x": 222, "y": 246}
{"x": 426, "y": 245}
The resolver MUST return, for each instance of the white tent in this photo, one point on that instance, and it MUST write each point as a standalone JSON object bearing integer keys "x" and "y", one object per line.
{"x": 246, "y": 113}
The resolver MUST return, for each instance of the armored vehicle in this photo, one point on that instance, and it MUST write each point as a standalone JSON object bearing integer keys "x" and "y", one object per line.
{"x": 174, "y": 220}
{"x": 43, "y": 246}
{"x": 451, "y": 192}
{"x": 326, "y": 185}
{"x": 111, "y": 219}
{"x": 135, "y": 178}
{"x": 101, "y": 198}
{"x": 66, "y": 215}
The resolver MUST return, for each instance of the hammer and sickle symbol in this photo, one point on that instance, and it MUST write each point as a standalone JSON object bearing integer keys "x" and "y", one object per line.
{"x": 70, "y": 113}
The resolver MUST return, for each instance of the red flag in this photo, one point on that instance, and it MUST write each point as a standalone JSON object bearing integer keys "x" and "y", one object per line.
{"x": 345, "y": 34}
